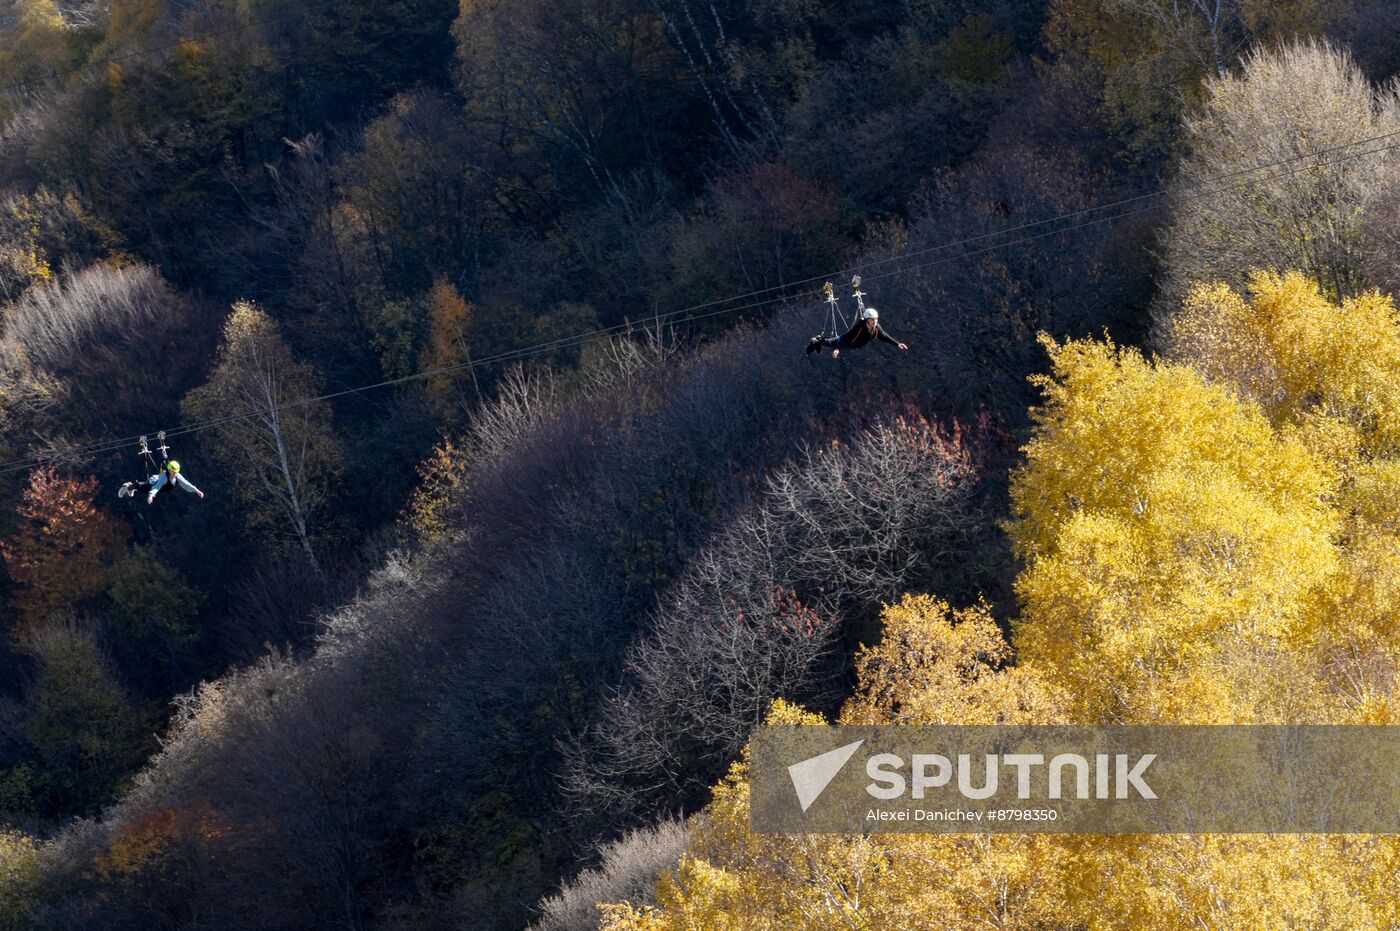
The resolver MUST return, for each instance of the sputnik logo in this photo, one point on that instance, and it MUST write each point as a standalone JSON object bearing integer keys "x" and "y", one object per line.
{"x": 811, "y": 777}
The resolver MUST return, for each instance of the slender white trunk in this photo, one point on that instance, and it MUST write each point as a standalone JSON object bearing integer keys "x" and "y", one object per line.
{"x": 294, "y": 509}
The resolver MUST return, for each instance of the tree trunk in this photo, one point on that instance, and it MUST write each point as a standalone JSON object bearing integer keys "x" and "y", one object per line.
{"x": 294, "y": 508}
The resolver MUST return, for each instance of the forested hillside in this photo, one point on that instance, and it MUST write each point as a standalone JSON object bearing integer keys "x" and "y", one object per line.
{"x": 515, "y": 503}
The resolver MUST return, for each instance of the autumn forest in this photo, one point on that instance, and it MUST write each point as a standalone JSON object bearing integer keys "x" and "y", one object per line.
{"x": 510, "y": 500}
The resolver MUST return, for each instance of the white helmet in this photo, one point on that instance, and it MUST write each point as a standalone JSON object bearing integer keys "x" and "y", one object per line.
{"x": 870, "y": 314}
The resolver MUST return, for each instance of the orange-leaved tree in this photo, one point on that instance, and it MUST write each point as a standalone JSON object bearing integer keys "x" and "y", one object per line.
{"x": 449, "y": 331}
{"x": 64, "y": 547}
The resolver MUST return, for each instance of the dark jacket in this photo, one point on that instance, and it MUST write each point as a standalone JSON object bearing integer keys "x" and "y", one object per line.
{"x": 863, "y": 332}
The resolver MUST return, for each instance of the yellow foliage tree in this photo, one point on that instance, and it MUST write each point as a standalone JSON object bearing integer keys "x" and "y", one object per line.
{"x": 276, "y": 439}
{"x": 1186, "y": 525}
{"x": 1328, "y": 373}
{"x": 20, "y": 870}
{"x": 34, "y": 44}
{"x": 442, "y": 479}
{"x": 931, "y": 662}
{"x": 449, "y": 327}
{"x": 1166, "y": 526}
{"x": 933, "y": 666}
{"x": 1331, "y": 369}
{"x": 36, "y": 226}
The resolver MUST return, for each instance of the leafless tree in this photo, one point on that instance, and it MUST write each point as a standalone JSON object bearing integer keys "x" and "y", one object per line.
{"x": 64, "y": 325}
{"x": 1302, "y": 142}
{"x": 525, "y": 399}
{"x": 99, "y": 351}
{"x": 755, "y": 616}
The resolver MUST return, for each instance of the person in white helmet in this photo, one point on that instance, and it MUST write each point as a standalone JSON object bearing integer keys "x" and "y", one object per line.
{"x": 866, "y": 328}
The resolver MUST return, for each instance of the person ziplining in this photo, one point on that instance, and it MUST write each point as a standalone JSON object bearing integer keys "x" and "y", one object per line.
{"x": 866, "y": 328}
{"x": 167, "y": 474}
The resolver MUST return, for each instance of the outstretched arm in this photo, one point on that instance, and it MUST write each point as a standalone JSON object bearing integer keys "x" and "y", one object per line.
{"x": 881, "y": 335}
{"x": 188, "y": 485}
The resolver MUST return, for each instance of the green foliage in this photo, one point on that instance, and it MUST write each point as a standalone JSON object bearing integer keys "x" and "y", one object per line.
{"x": 580, "y": 95}
{"x": 760, "y": 227}
{"x": 129, "y": 22}
{"x": 917, "y": 101}
{"x": 36, "y": 40}
{"x": 18, "y": 787}
{"x": 1145, "y": 61}
{"x": 341, "y": 58}
{"x": 397, "y": 332}
{"x": 36, "y": 229}
{"x": 412, "y": 184}
{"x": 192, "y": 150}
{"x": 152, "y": 601}
{"x": 976, "y": 52}
{"x": 86, "y": 735}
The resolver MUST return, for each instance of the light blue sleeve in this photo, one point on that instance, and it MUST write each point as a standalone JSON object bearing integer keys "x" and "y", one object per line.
{"x": 186, "y": 484}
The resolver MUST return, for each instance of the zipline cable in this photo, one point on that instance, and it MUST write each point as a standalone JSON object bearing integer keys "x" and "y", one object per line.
{"x": 1133, "y": 212}
{"x": 578, "y": 339}
{"x": 687, "y": 314}
{"x": 1148, "y": 195}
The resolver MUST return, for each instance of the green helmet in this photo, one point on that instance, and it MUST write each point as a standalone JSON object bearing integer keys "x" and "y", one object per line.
{"x": 173, "y": 465}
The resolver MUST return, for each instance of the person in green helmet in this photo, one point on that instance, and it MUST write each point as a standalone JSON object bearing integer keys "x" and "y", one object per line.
{"x": 170, "y": 475}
